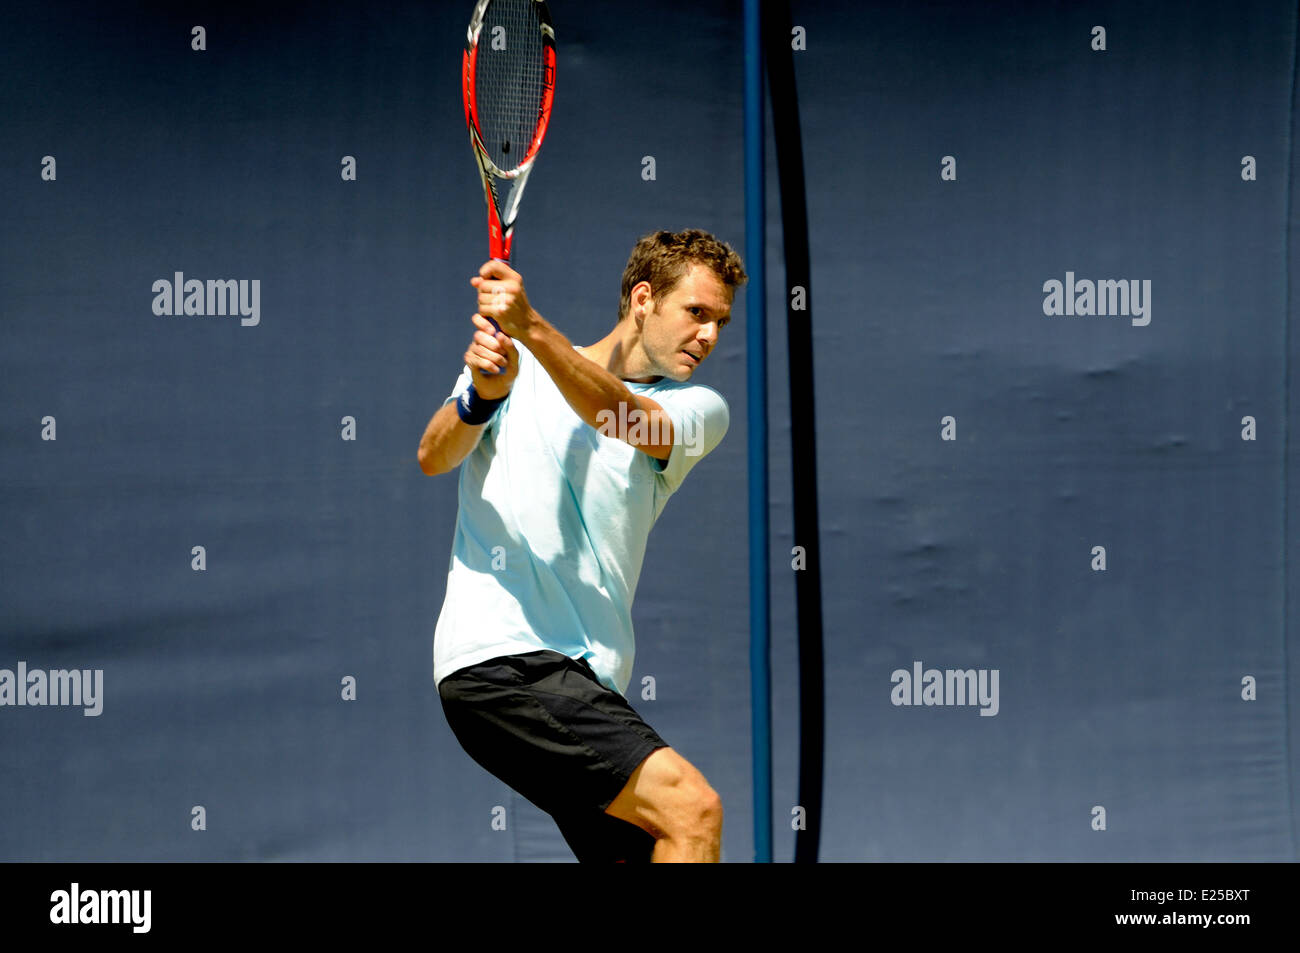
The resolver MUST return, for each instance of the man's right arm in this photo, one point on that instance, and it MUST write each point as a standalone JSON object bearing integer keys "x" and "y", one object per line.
{"x": 448, "y": 440}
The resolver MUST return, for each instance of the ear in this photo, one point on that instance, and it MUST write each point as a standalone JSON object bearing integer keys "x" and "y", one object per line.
{"x": 641, "y": 298}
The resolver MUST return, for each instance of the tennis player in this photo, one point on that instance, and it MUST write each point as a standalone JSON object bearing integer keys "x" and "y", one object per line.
{"x": 567, "y": 457}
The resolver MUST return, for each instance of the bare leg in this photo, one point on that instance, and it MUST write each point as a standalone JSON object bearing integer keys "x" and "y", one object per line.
{"x": 668, "y": 797}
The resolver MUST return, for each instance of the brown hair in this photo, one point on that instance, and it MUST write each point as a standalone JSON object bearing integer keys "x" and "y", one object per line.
{"x": 662, "y": 258}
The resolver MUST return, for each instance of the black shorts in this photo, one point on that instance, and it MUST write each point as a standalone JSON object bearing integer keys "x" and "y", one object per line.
{"x": 543, "y": 724}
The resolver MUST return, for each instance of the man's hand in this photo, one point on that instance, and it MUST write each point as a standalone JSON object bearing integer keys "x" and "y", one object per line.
{"x": 492, "y": 359}
{"x": 501, "y": 297}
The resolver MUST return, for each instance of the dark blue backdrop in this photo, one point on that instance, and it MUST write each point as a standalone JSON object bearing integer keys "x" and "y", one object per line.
{"x": 1119, "y": 689}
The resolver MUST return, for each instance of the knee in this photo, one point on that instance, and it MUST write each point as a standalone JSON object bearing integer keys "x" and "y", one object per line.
{"x": 668, "y": 797}
{"x": 709, "y": 808}
{"x": 696, "y": 811}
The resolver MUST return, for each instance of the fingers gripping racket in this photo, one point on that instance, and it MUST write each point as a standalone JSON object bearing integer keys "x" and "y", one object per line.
{"x": 509, "y": 82}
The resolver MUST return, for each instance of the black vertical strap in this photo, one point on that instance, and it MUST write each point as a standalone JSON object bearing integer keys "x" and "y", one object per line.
{"x": 803, "y": 435}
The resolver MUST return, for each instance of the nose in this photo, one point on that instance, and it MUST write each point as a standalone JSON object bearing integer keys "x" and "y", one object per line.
{"x": 708, "y": 335}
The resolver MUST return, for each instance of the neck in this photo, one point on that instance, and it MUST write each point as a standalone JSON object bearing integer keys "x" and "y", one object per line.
{"x": 620, "y": 352}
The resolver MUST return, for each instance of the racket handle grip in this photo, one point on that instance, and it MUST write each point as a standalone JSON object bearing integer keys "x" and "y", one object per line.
{"x": 498, "y": 327}
{"x": 491, "y": 320}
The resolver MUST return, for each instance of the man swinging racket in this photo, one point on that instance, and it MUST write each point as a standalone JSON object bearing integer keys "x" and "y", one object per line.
{"x": 569, "y": 456}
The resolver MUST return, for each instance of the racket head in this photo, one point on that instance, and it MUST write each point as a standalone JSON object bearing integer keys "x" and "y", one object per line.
{"x": 508, "y": 86}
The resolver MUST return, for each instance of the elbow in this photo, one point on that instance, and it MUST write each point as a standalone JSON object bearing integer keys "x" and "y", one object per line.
{"x": 428, "y": 465}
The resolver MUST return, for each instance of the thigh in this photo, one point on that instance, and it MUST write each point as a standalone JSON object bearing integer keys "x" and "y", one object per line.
{"x": 544, "y": 725}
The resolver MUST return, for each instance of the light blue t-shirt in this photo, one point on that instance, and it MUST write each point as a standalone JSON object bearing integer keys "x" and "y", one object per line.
{"x": 553, "y": 521}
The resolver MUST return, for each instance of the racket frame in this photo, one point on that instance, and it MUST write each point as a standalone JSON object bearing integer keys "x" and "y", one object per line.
{"x": 501, "y": 221}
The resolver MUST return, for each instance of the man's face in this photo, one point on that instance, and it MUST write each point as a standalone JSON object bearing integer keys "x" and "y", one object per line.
{"x": 681, "y": 328}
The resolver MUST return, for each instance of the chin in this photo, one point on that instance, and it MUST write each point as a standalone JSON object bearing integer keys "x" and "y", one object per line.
{"x": 677, "y": 370}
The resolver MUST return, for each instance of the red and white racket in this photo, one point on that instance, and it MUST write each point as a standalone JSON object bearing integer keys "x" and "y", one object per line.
{"x": 509, "y": 83}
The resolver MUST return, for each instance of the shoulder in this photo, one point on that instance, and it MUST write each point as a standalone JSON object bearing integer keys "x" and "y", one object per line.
{"x": 698, "y": 399}
{"x": 680, "y": 392}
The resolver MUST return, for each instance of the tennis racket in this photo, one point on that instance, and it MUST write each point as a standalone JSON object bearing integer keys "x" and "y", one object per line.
{"x": 509, "y": 83}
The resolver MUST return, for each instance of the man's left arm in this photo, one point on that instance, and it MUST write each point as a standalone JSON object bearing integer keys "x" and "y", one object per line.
{"x": 599, "y": 398}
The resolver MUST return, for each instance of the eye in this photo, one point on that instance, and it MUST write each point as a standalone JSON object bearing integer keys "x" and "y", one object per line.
{"x": 695, "y": 311}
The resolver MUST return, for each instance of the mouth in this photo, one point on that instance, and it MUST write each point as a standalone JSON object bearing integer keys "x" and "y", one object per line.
{"x": 695, "y": 359}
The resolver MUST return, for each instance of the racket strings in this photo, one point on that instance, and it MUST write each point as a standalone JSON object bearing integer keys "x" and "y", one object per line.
{"x": 509, "y": 81}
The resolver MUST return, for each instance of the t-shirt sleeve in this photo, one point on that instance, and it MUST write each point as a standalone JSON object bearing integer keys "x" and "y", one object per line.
{"x": 462, "y": 385}
{"x": 700, "y": 419}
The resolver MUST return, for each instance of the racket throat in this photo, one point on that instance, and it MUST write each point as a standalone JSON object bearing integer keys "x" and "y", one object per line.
{"x": 499, "y": 238}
